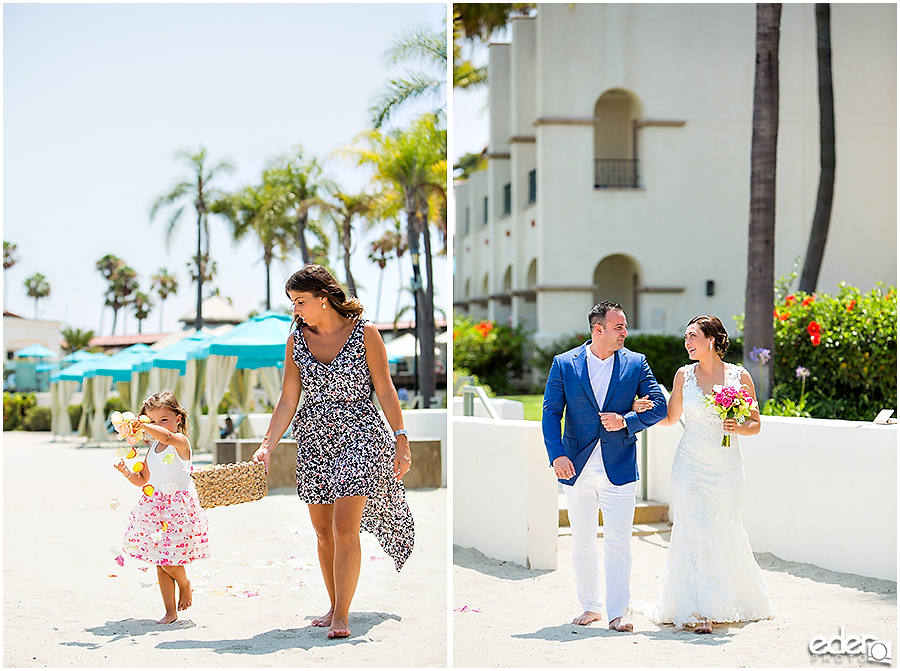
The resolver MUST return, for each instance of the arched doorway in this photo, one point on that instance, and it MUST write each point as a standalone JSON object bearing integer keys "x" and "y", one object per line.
{"x": 616, "y": 279}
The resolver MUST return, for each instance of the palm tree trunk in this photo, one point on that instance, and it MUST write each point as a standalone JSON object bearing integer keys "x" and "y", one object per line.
{"x": 760, "y": 290}
{"x": 267, "y": 259}
{"x": 161, "y": 302}
{"x": 429, "y": 382}
{"x": 346, "y": 242}
{"x": 301, "y": 236}
{"x": 818, "y": 234}
{"x": 198, "y": 320}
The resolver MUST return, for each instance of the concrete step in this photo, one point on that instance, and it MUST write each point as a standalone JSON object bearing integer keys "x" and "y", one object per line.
{"x": 645, "y": 512}
{"x": 636, "y": 530}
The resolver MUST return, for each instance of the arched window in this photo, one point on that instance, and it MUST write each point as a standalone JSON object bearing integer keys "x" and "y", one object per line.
{"x": 616, "y": 279}
{"x": 615, "y": 141}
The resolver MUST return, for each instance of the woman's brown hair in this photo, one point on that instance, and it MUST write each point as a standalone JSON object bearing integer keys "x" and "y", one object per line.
{"x": 166, "y": 399}
{"x": 712, "y": 327}
{"x": 316, "y": 280}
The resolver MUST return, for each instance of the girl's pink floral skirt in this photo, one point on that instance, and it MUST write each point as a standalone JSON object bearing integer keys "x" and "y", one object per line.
{"x": 168, "y": 529}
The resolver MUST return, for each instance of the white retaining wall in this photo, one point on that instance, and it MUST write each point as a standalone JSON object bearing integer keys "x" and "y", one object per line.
{"x": 504, "y": 494}
{"x": 822, "y": 492}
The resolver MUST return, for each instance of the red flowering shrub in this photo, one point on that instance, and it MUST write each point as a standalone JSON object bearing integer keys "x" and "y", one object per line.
{"x": 493, "y": 352}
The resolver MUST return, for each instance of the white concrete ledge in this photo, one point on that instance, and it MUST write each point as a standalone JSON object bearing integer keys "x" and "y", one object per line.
{"x": 504, "y": 493}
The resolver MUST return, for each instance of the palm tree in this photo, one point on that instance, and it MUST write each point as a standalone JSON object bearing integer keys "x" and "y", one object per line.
{"x": 480, "y": 20}
{"x": 108, "y": 266}
{"x": 37, "y": 287}
{"x": 250, "y": 211}
{"x": 392, "y": 244}
{"x": 9, "y": 260}
{"x": 818, "y": 234}
{"x": 198, "y": 189}
{"x": 760, "y": 292}
{"x": 296, "y": 184}
{"x": 404, "y": 166}
{"x": 420, "y": 44}
{"x": 165, "y": 284}
{"x": 123, "y": 285}
{"x": 76, "y": 339}
{"x": 142, "y": 305}
{"x": 345, "y": 207}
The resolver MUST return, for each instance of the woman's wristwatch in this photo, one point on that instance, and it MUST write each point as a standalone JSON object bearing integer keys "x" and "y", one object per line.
{"x": 401, "y": 432}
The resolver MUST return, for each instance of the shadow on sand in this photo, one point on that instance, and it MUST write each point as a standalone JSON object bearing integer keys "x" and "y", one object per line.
{"x": 769, "y": 562}
{"x": 285, "y": 639}
{"x": 128, "y": 628}
{"x": 473, "y": 559}
{"x": 563, "y": 633}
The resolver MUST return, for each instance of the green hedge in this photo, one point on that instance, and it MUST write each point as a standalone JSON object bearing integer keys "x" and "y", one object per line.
{"x": 495, "y": 353}
{"x": 15, "y": 406}
{"x": 75, "y": 415}
{"x": 38, "y": 418}
{"x": 848, "y": 342}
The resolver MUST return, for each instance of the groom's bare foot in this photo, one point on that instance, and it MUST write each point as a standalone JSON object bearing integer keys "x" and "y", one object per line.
{"x": 619, "y": 624}
{"x": 704, "y": 626}
{"x": 586, "y": 617}
{"x": 324, "y": 621}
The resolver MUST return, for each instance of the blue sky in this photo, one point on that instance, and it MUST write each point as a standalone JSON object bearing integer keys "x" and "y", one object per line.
{"x": 98, "y": 98}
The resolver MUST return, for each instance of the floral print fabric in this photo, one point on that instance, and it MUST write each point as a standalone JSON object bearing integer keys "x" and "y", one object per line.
{"x": 343, "y": 446}
{"x": 168, "y": 529}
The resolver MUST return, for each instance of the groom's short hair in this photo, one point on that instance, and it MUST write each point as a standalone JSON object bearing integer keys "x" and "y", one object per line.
{"x": 597, "y": 315}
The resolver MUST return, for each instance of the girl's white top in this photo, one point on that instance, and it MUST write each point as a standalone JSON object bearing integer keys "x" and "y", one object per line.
{"x": 168, "y": 478}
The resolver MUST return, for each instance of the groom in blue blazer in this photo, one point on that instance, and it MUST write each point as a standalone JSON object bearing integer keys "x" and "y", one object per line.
{"x": 595, "y": 458}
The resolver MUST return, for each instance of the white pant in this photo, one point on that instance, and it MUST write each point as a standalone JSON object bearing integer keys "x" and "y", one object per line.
{"x": 592, "y": 491}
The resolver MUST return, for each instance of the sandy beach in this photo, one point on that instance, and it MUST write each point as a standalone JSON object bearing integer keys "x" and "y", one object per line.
{"x": 509, "y": 617}
{"x": 68, "y": 603}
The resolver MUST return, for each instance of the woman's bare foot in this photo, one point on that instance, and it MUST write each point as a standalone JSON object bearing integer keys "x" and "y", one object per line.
{"x": 619, "y": 624}
{"x": 168, "y": 619}
{"x": 586, "y": 617}
{"x": 704, "y": 626}
{"x": 324, "y": 621}
{"x": 185, "y": 596}
{"x": 339, "y": 629}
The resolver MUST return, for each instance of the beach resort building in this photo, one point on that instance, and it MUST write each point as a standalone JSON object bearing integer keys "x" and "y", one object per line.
{"x": 619, "y": 162}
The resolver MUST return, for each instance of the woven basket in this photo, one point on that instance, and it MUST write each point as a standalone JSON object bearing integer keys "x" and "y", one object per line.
{"x": 228, "y": 484}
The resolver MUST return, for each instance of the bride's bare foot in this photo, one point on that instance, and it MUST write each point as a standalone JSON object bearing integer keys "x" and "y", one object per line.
{"x": 185, "y": 596}
{"x": 619, "y": 624}
{"x": 704, "y": 626}
{"x": 168, "y": 619}
{"x": 586, "y": 617}
{"x": 339, "y": 628}
{"x": 324, "y": 621}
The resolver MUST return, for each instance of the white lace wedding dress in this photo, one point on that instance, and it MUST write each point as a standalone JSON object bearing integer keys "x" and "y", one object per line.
{"x": 711, "y": 572}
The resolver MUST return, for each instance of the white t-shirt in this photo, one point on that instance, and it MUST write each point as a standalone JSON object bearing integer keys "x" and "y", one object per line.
{"x": 599, "y": 372}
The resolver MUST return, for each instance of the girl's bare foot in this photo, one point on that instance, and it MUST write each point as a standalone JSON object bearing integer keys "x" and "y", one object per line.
{"x": 704, "y": 626}
{"x": 339, "y": 628}
{"x": 586, "y": 617}
{"x": 324, "y": 621}
{"x": 185, "y": 596}
{"x": 168, "y": 619}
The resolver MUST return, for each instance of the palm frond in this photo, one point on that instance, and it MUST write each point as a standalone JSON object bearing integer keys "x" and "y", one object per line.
{"x": 421, "y": 42}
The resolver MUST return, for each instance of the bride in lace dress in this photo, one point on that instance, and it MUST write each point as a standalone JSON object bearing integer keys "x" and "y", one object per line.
{"x": 711, "y": 575}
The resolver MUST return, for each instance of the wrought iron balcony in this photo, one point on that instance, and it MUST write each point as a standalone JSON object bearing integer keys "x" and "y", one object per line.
{"x": 616, "y": 173}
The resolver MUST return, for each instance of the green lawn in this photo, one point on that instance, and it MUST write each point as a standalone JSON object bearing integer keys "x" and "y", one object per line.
{"x": 533, "y": 405}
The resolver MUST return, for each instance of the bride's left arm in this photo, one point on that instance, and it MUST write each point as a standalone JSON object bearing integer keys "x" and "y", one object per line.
{"x": 751, "y": 425}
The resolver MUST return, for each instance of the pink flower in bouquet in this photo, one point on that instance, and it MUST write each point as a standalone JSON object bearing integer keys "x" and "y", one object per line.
{"x": 731, "y": 403}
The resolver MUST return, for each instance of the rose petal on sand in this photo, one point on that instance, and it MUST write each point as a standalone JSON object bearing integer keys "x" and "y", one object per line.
{"x": 120, "y": 560}
{"x": 466, "y": 609}
{"x": 114, "y": 504}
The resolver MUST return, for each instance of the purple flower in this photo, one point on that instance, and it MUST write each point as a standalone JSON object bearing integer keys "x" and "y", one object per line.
{"x": 801, "y": 373}
{"x": 760, "y": 355}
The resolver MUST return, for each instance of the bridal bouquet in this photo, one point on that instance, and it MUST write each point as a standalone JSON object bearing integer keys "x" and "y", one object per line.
{"x": 731, "y": 403}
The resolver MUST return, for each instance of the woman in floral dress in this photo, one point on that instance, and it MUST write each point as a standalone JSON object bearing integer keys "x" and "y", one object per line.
{"x": 348, "y": 468}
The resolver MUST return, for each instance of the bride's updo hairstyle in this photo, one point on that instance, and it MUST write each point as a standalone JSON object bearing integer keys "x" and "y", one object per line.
{"x": 712, "y": 328}
{"x": 316, "y": 280}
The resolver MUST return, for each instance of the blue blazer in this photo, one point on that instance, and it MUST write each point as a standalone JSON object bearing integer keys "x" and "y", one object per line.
{"x": 569, "y": 389}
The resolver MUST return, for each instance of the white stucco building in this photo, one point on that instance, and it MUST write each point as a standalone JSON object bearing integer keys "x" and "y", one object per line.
{"x": 619, "y": 162}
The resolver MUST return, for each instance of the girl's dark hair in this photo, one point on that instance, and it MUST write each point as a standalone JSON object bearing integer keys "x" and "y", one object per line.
{"x": 712, "y": 328}
{"x": 316, "y": 280}
{"x": 166, "y": 399}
